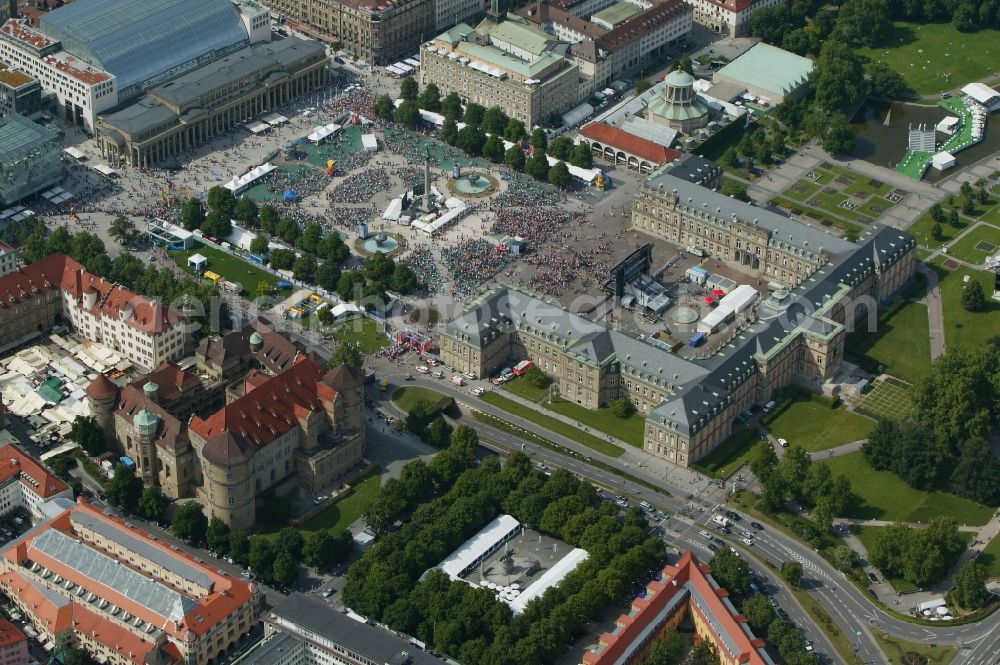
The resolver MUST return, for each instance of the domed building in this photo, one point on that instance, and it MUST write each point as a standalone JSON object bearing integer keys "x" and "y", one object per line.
{"x": 677, "y": 105}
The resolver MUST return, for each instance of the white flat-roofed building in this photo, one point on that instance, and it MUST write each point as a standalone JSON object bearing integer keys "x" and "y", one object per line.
{"x": 478, "y": 548}
{"x": 549, "y": 579}
{"x": 983, "y": 94}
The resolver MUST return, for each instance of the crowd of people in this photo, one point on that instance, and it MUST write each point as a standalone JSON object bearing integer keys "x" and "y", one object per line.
{"x": 349, "y": 218}
{"x": 522, "y": 191}
{"x": 533, "y": 224}
{"x": 557, "y": 270}
{"x": 473, "y": 262}
{"x": 421, "y": 260}
{"x": 361, "y": 187}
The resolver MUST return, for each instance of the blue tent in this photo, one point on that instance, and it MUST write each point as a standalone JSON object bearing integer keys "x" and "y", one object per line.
{"x": 291, "y": 195}
{"x": 127, "y": 462}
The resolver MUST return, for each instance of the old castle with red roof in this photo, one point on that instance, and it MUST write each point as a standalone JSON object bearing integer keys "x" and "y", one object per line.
{"x": 684, "y": 590}
{"x": 122, "y": 594}
{"x": 59, "y": 289}
{"x": 256, "y": 416}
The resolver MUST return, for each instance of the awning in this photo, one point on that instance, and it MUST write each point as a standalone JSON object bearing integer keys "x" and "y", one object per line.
{"x": 74, "y": 153}
{"x": 258, "y": 127}
{"x": 106, "y": 170}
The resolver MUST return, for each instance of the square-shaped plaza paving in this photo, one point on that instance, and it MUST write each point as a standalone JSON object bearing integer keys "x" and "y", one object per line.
{"x": 837, "y": 196}
{"x": 887, "y": 398}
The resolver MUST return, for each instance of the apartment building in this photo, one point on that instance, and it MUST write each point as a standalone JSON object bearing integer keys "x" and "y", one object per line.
{"x": 123, "y": 595}
{"x": 25, "y": 484}
{"x": 728, "y": 17}
{"x": 13, "y": 645}
{"x": 10, "y": 259}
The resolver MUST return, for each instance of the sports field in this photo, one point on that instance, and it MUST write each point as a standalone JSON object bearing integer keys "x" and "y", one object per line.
{"x": 937, "y": 57}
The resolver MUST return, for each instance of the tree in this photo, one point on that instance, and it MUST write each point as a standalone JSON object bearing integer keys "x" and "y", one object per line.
{"x": 514, "y": 131}
{"x": 758, "y": 611}
{"x": 642, "y": 85}
{"x": 559, "y": 175}
{"x": 268, "y": 216}
{"x": 936, "y": 231}
{"x": 408, "y": 89}
{"x": 430, "y": 98}
{"x": 284, "y": 569}
{"x": 246, "y": 211}
{"x": 404, "y": 280}
{"x": 514, "y": 158}
{"x": 328, "y": 275}
{"x": 864, "y": 22}
{"x": 537, "y": 166}
{"x": 125, "y": 489}
{"x": 539, "y": 140}
{"x": 261, "y": 556}
{"x": 221, "y": 201}
{"x": 560, "y": 148}
{"x": 704, "y": 654}
{"x": 770, "y": 23}
{"x": 304, "y": 268}
{"x": 887, "y": 83}
{"x": 239, "y": 546}
{"x": 311, "y": 238}
{"x": 217, "y": 225}
{"x": 537, "y": 377}
{"x": 123, "y": 230}
{"x": 667, "y": 650}
{"x": 290, "y": 540}
{"x": 350, "y": 284}
{"x": 792, "y": 572}
{"x": 74, "y": 656}
{"x": 282, "y": 259}
{"x": 474, "y": 114}
{"x": 582, "y": 156}
{"x": 449, "y": 131}
{"x": 316, "y": 549}
{"x": 438, "y": 433}
{"x": 383, "y": 107}
{"x": 735, "y": 189}
{"x": 190, "y": 523}
{"x": 495, "y": 121}
{"x": 471, "y": 140}
{"x": 977, "y": 474}
{"x": 259, "y": 244}
{"x": 838, "y": 139}
{"x": 493, "y": 149}
{"x": 153, "y": 503}
{"x": 844, "y": 557}
{"x": 973, "y": 299}
{"x": 451, "y": 106}
{"x": 964, "y": 18}
{"x": 684, "y": 64}
{"x": 218, "y": 535}
{"x": 970, "y": 586}
{"x": 192, "y": 214}
{"x": 731, "y": 571}
{"x": 838, "y": 76}
{"x": 86, "y": 433}
{"x": 622, "y": 407}
{"x": 346, "y": 353}
{"x": 407, "y": 114}
{"x": 968, "y": 206}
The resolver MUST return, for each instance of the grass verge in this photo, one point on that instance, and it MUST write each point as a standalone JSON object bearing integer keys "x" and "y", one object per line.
{"x": 407, "y": 397}
{"x": 552, "y": 424}
{"x": 728, "y": 455}
{"x": 896, "y": 649}
{"x": 341, "y": 514}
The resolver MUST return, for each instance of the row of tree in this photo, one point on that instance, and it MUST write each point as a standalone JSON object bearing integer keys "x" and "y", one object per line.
{"x": 466, "y": 622}
{"x": 943, "y": 443}
{"x": 921, "y": 556}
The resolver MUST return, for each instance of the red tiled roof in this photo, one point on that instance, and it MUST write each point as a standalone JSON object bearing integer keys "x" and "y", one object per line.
{"x": 630, "y": 143}
{"x": 102, "y": 388}
{"x": 31, "y": 280}
{"x": 14, "y": 461}
{"x": 687, "y": 576}
{"x": 171, "y": 380}
{"x": 10, "y": 635}
{"x": 268, "y": 410}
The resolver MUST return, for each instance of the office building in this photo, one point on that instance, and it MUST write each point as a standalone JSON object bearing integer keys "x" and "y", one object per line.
{"x": 304, "y": 630}
{"x": 505, "y": 63}
{"x": 123, "y": 595}
{"x": 608, "y": 38}
{"x": 728, "y": 17}
{"x": 10, "y": 259}
{"x": 58, "y": 289}
{"x": 682, "y": 592}
{"x": 767, "y": 73}
{"x": 452, "y": 12}
{"x": 821, "y": 284}
{"x": 30, "y": 158}
{"x": 19, "y": 93}
{"x": 195, "y": 107}
{"x": 13, "y": 645}
{"x": 377, "y": 33}
{"x": 25, "y": 484}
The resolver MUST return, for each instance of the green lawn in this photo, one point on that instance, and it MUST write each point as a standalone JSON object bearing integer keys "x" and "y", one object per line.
{"x": 850, "y": 229}
{"x": 923, "y": 53}
{"x": 965, "y": 248}
{"x": 552, "y": 424}
{"x": 729, "y": 455}
{"x": 921, "y": 231}
{"x": 364, "y": 332}
{"x": 990, "y": 557}
{"x": 630, "y": 430}
{"x": 901, "y": 343}
{"x": 408, "y": 396}
{"x": 896, "y": 649}
{"x": 807, "y": 420}
{"x": 231, "y": 269}
{"x": 341, "y": 514}
{"x": 867, "y": 534}
{"x": 885, "y": 497}
{"x": 525, "y": 389}
{"x": 961, "y": 328}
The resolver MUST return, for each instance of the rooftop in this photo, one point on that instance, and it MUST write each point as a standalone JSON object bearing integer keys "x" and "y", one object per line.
{"x": 494, "y": 56}
{"x": 16, "y": 462}
{"x": 516, "y": 33}
{"x": 13, "y": 77}
{"x": 631, "y": 143}
{"x": 302, "y": 613}
{"x": 768, "y": 68}
{"x": 19, "y": 136}
{"x": 615, "y": 14}
{"x": 10, "y": 635}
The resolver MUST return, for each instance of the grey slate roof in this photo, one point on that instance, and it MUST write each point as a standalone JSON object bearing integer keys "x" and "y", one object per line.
{"x": 108, "y": 573}
{"x": 377, "y": 645}
{"x": 176, "y": 565}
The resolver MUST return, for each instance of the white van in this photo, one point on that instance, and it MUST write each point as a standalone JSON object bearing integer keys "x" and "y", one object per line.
{"x": 770, "y": 405}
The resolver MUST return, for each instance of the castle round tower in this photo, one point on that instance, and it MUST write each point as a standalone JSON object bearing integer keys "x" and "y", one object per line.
{"x": 102, "y": 397}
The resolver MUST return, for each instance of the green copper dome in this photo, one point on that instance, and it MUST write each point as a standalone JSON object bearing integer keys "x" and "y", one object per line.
{"x": 146, "y": 419}
{"x": 679, "y": 78}
{"x": 256, "y": 339}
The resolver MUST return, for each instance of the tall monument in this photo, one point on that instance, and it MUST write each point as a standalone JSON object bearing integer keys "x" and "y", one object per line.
{"x": 426, "y": 205}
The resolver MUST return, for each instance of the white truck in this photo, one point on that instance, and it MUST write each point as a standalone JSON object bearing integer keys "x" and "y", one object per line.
{"x": 720, "y": 521}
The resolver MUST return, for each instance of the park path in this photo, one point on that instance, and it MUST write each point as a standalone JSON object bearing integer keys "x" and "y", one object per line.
{"x": 837, "y": 451}
{"x": 935, "y": 312}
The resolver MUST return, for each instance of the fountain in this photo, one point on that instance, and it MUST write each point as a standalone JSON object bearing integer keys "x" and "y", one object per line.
{"x": 474, "y": 184}
{"x": 380, "y": 243}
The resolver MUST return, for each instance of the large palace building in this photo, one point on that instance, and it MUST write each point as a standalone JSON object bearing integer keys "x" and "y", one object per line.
{"x": 822, "y": 285}
{"x": 121, "y": 594}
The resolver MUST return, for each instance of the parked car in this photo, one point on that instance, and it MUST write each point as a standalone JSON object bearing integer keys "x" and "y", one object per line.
{"x": 328, "y": 592}
{"x": 782, "y": 613}
{"x": 476, "y": 392}
{"x": 423, "y": 369}
{"x": 783, "y": 443}
{"x": 705, "y": 534}
{"x": 873, "y": 577}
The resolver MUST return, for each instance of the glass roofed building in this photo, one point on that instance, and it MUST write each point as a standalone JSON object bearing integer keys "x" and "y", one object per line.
{"x": 146, "y": 43}
{"x": 29, "y": 158}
